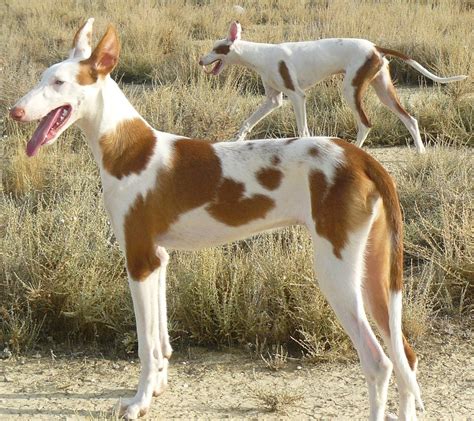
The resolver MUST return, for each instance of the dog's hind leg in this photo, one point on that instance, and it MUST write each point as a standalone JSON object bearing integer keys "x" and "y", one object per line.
{"x": 354, "y": 87}
{"x": 340, "y": 281}
{"x": 385, "y": 90}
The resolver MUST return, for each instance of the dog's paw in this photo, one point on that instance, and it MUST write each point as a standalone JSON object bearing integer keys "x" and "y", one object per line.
{"x": 131, "y": 409}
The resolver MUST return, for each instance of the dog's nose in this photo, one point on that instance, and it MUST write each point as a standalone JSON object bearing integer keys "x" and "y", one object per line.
{"x": 17, "y": 113}
{"x": 200, "y": 62}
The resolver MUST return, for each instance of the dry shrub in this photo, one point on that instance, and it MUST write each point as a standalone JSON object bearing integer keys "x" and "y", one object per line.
{"x": 62, "y": 275}
{"x": 436, "y": 192}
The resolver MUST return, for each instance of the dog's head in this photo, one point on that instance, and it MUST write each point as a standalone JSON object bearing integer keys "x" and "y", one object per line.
{"x": 67, "y": 89}
{"x": 222, "y": 50}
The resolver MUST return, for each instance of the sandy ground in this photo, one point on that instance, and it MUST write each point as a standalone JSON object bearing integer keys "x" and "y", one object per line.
{"x": 215, "y": 385}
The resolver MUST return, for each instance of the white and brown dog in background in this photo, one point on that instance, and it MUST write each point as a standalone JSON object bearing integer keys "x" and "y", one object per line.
{"x": 164, "y": 190}
{"x": 292, "y": 67}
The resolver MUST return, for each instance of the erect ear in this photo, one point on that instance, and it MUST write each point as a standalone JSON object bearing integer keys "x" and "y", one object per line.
{"x": 81, "y": 44}
{"x": 234, "y": 31}
{"x": 105, "y": 56}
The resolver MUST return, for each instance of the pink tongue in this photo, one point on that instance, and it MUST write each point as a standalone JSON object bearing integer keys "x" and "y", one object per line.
{"x": 40, "y": 135}
{"x": 216, "y": 68}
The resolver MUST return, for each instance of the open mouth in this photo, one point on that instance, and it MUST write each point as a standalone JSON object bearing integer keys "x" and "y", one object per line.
{"x": 48, "y": 128}
{"x": 216, "y": 69}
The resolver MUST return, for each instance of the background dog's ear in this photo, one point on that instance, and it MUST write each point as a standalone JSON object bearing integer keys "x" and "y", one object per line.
{"x": 234, "y": 31}
{"x": 81, "y": 44}
{"x": 105, "y": 56}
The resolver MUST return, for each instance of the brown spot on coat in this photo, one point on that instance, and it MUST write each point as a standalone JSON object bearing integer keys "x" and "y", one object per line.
{"x": 342, "y": 207}
{"x": 368, "y": 167}
{"x": 285, "y": 75}
{"x": 388, "y": 52}
{"x": 363, "y": 77}
{"x": 128, "y": 148}
{"x": 233, "y": 209}
{"x": 190, "y": 182}
{"x": 193, "y": 179}
{"x": 270, "y": 178}
{"x": 313, "y": 151}
{"x": 222, "y": 49}
{"x": 411, "y": 356}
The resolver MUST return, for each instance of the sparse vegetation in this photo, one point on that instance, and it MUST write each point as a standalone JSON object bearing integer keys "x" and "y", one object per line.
{"x": 62, "y": 275}
{"x": 277, "y": 400}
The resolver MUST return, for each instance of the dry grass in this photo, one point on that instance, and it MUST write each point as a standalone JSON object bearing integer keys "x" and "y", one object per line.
{"x": 277, "y": 400}
{"x": 62, "y": 275}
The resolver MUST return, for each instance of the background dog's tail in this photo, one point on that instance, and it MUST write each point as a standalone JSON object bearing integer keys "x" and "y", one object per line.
{"x": 419, "y": 67}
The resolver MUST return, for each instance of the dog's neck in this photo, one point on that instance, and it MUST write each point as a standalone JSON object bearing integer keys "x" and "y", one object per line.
{"x": 249, "y": 54}
{"x": 103, "y": 112}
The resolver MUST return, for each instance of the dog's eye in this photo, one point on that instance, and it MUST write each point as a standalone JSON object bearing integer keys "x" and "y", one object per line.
{"x": 58, "y": 82}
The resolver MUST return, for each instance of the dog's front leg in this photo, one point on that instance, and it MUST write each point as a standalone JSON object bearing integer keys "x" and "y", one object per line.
{"x": 145, "y": 304}
{"x": 162, "y": 340}
{"x": 273, "y": 101}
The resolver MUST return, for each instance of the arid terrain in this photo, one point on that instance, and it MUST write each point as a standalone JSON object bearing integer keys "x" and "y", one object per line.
{"x": 214, "y": 385}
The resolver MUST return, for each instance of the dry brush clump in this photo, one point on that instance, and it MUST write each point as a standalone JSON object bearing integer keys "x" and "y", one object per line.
{"x": 62, "y": 275}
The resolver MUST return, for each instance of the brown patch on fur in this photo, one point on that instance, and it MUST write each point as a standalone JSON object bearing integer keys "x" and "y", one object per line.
{"x": 87, "y": 74}
{"x": 362, "y": 79}
{"x": 388, "y": 52}
{"x": 193, "y": 179}
{"x": 411, "y": 356}
{"x": 222, "y": 49}
{"x": 276, "y": 160}
{"x": 233, "y": 209}
{"x": 341, "y": 208}
{"x": 313, "y": 151}
{"x": 128, "y": 148}
{"x": 270, "y": 178}
{"x": 290, "y": 141}
{"x": 103, "y": 59}
{"x": 285, "y": 75}
{"x": 370, "y": 168}
{"x": 377, "y": 271}
{"x": 190, "y": 182}
{"x": 391, "y": 91}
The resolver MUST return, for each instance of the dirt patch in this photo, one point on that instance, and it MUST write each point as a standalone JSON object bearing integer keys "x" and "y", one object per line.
{"x": 215, "y": 385}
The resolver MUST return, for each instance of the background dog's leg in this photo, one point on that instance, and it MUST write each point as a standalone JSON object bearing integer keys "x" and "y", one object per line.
{"x": 385, "y": 90}
{"x": 297, "y": 98}
{"x": 273, "y": 101}
{"x": 353, "y": 95}
{"x": 145, "y": 305}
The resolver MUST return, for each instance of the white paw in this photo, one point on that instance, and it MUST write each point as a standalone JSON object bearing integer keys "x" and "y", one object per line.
{"x": 167, "y": 350}
{"x": 391, "y": 417}
{"x": 131, "y": 409}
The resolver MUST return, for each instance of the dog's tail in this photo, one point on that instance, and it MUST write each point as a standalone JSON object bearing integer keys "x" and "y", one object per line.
{"x": 419, "y": 67}
{"x": 393, "y": 215}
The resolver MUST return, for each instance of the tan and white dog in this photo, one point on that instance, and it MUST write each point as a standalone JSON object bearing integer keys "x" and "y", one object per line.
{"x": 292, "y": 67}
{"x": 163, "y": 190}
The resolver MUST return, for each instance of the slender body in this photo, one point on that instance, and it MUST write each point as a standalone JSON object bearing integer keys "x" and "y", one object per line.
{"x": 163, "y": 190}
{"x": 292, "y": 67}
